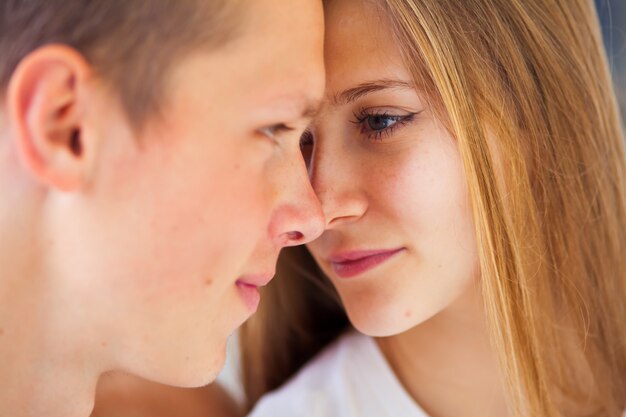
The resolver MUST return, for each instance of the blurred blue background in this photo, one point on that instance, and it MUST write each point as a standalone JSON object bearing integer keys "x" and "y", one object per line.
{"x": 613, "y": 19}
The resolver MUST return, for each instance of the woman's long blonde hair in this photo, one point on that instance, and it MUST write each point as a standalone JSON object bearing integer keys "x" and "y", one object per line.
{"x": 524, "y": 87}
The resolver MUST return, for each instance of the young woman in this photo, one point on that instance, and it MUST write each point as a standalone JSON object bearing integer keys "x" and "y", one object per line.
{"x": 470, "y": 165}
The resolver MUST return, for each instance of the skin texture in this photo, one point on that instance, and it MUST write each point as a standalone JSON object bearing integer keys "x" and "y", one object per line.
{"x": 123, "y": 395}
{"x": 122, "y": 249}
{"x": 389, "y": 176}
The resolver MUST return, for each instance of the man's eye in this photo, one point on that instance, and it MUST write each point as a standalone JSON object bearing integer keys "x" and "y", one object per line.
{"x": 275, "y": 130}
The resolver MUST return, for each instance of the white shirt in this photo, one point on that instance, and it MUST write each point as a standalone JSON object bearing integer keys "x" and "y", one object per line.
{"x": 349, "y": 378}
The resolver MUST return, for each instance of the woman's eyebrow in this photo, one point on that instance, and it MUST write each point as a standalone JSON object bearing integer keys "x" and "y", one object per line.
{"x": 352, "y": 94}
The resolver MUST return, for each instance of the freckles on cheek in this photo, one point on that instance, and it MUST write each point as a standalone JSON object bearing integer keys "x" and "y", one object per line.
{"x": 401, "y": 186}
{"x": 428, "y": 183}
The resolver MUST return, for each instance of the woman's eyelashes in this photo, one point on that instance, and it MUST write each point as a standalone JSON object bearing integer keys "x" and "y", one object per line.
{"x": 376, "y": 124}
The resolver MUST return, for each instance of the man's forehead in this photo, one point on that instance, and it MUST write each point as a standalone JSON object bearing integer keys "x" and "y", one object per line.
{"x": 302, "y": 105}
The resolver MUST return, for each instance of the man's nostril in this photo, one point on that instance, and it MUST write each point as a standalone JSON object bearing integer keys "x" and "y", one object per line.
{"x": 295, "y": 236}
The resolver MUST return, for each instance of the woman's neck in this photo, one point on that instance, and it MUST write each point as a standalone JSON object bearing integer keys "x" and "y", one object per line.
{"x": 447, "y": 364}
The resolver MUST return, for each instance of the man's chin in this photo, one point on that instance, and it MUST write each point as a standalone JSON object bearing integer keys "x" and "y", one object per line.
{"x": 207, "y": 372}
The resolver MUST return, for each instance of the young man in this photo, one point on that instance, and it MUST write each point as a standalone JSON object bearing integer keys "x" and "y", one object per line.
{"x": 150, "y": 172}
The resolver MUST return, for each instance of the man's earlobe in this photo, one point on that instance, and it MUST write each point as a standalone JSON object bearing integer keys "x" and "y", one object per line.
{"x": 46, "y": 109}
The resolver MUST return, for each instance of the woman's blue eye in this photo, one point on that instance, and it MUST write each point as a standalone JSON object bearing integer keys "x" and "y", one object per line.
{"x": 376, "y": 125}
{"x": 381, "y": 122}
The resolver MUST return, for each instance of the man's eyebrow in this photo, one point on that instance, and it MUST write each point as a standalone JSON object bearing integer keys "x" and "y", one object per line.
{"x": 311, "y": 108}
{"x": 352, "y": 94}
{"x": 302, "y": 106}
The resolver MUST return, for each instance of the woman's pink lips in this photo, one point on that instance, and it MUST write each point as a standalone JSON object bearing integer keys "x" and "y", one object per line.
{"x": 351, "y": 264}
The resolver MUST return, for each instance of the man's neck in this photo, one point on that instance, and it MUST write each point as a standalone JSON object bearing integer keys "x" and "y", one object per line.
{"x": 37, "y": 384}
{"x": 45, "y": 371}
{"x": 40, "y": 375}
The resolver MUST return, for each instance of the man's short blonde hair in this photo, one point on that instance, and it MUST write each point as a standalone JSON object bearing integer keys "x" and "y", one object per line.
{"x": 130, "y": 43}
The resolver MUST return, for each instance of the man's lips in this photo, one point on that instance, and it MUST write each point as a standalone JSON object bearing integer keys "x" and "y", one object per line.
{"x": 248, "y": 287}
{"x": 350, "y": 264}
{"x": 258, "y": 280}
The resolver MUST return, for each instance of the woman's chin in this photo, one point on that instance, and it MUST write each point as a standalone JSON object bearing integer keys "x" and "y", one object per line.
{"x": 380, "y": 322}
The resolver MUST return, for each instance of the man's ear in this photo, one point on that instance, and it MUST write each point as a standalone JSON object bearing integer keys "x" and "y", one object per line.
{"x": 45, "y": 103}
